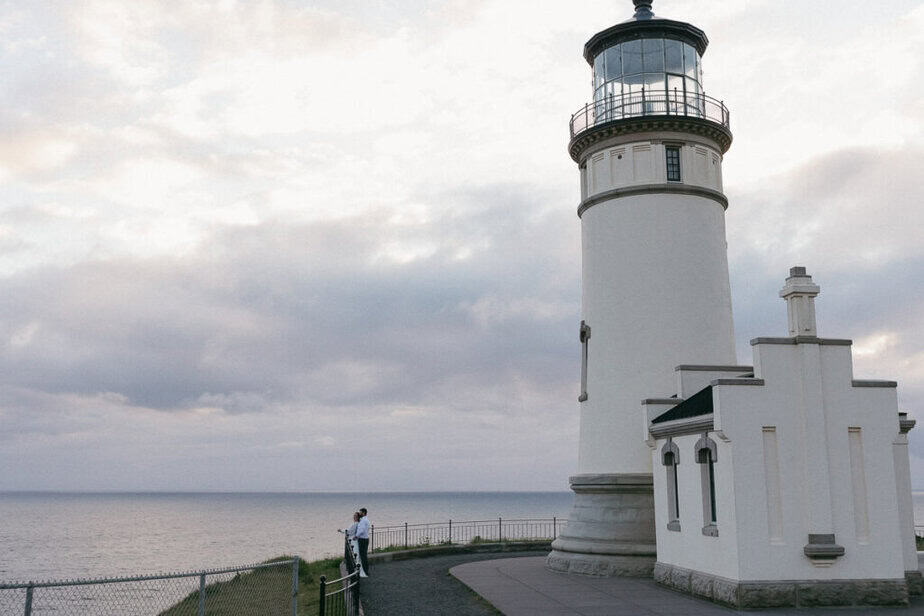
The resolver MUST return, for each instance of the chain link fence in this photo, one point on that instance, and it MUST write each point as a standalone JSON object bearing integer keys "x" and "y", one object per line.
{"x": 268, "y": 589}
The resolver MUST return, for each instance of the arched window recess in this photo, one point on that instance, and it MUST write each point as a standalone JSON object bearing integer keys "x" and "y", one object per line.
{"x": 670, "y": 457}
{"x": 707, "y": 456}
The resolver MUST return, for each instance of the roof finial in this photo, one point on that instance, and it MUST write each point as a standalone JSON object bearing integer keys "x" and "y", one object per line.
{"x": 643, "y": 9}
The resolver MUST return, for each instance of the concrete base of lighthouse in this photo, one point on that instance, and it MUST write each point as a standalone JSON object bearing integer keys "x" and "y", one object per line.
{"x": 611, "y": 529}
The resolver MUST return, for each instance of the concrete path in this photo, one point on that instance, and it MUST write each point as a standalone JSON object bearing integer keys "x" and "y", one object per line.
{"x": 423, "y": 587}
{"x": 524, "y": 587}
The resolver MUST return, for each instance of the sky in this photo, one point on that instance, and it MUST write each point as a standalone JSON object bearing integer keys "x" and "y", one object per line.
{"x": 289, "y": 245}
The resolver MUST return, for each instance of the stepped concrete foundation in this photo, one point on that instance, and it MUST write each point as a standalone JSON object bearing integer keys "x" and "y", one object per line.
{"x": 610, "y": 530}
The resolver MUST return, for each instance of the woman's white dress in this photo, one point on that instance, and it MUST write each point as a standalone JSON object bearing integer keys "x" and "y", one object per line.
{"x": 354, "y": 546}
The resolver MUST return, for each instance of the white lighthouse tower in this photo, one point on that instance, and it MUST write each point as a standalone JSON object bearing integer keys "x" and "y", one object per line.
{"x": 655, "y": 271}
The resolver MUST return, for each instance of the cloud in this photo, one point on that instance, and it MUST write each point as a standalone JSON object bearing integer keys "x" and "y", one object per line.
{"x": 852, "y": 218}
{"x": 233, "y": 231}
{"x": 306, "y": 325}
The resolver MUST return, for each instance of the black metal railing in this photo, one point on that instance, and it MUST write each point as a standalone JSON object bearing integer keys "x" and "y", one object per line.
{"x": 340, "y": 597}
{"x": 649, "y": 103}
{"x": 468, "y": 531}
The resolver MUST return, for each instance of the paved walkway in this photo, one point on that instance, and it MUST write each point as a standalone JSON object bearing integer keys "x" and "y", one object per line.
{"x": 423, "y": 587}
{"x": 524, "y": 587}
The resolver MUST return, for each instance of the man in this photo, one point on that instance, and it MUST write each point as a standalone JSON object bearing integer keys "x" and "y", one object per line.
{"x": 362, "y": 537}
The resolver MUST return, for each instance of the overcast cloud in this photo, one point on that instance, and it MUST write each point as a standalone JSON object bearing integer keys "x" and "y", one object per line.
{"x": 316, "y": 245}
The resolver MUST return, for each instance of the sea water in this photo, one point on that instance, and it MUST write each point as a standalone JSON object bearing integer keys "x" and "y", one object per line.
{"x": 65, "y": 535}
{"x": 62, "y": 535}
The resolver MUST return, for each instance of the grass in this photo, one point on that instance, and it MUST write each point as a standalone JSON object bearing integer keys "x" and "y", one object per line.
{"x": 262, "y": 591}
{"x": 413, "y": 546}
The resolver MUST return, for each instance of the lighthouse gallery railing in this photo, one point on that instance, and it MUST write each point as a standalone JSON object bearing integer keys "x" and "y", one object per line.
{"x": 649, "y": 103}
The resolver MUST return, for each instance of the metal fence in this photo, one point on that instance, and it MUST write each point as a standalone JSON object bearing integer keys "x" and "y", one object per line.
{"x": 253, "y": 590}
{"x": 340, "y": 597}
{"x": 469, "y": 531}
{"x": 649, "y": 103}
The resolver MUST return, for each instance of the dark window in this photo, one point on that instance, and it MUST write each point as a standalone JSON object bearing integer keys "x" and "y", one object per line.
{"x": 706, "y": 457}
{"x": 672, "y": 471}
{"x": 712, "y": 486}
{"x": 673, "y": 163}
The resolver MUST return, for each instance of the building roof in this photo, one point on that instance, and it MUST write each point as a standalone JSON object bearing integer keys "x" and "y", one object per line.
{"x": 698, "y": 404}
{"x": 645, "y": 24}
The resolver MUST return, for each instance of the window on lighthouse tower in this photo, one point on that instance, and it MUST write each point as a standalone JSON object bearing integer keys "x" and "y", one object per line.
{"x": 672, "y": 157}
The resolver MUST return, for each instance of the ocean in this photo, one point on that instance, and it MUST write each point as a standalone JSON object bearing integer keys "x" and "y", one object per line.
{"x": 64, "y": 535}
{"x": 68, "y": 535}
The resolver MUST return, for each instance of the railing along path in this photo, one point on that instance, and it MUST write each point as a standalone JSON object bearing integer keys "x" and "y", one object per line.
{"x": 468, "y": 531}
{"x": 340, "y": 597}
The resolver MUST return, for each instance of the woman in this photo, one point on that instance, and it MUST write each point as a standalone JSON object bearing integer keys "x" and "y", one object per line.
{"x": 354, "y": 544}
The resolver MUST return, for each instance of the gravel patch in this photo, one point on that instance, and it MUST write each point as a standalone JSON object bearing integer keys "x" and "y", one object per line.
{"x": 423, "y": 586}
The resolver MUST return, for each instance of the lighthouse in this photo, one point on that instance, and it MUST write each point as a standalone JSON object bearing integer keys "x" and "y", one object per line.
{"x": 655, "y": 288}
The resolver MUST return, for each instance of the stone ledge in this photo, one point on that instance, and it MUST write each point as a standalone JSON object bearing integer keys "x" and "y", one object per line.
{"x": 873, "y": 383}
{"x": 915, "y": 582}
{"x": 600, "y": 565}
{"x": 708, "y": 368}
{"x": 787, "y": 593}
{"x": 611, "y": 479}
{"x": 738, "y": 381}
{"x": 802, "y": 340}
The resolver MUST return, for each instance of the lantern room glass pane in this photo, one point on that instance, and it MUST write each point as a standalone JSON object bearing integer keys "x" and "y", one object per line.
{"x": 613, "y": 63}
{"x": 633, "y": 83}
{"x": 673, "y": 53}
{"x": 654, "y": 82}
{"x": 690, "y": 60}
{"x": 692, "y": 87}
{"x": 653, "y": 55}
{"x": 598, "y": 71}
{"x": 675, "y": 85}
{"x": 632, "y": 57}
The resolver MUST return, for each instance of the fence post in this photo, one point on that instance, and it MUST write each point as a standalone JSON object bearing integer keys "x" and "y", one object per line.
{"x": 202, "y": 594}
{"x": 405, "y": 535}
{"x": 29, "y": 600}
{"x": 500, "y": 530}
{"x": 372, "y": 539}
{"x": 295, "y": 586}
{"x": 321, "y": 585}
{"x": 450, "y": 532}
{"x": 356, "y": 597}
{"x": 554, "y": 530}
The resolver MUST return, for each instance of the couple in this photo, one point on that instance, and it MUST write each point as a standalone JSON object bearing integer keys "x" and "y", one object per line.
{"x": 358, "y": 536}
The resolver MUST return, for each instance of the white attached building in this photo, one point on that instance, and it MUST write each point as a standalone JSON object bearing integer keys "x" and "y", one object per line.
{"x": 786, "y": 483}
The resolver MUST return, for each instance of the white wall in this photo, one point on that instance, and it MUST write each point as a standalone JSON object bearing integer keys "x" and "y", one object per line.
{"x": 656, "y": 295}
{"x": 689, "y": 548}
{"x": 810, "y": 403}
{"x": 643, "y": 162}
